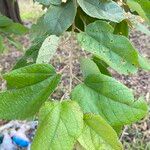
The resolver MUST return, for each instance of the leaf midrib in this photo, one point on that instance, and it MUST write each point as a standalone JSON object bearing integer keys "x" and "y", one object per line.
{"x": 14, "y": 89}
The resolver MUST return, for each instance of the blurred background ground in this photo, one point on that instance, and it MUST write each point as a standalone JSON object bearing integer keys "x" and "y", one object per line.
{"x": 136, "y": 136}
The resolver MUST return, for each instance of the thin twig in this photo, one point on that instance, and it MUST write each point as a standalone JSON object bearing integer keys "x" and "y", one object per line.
{"x": 61, "y": 71}
{"x": 78, "y": 29}
{"x": 85, "y": 54}
{"x": 65, "y": 41}
{"x": 70, "y": 59}
{"x": 77, "y": 78}
{"x": 62, "y": 98}
{"x": 123, "y": 132}
{"x": 70, "y": 69}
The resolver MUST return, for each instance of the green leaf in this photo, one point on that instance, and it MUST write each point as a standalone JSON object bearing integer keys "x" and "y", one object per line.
{"x": 94, "y": 66}
{"x": 98, "y": 135}
{"x": 141, "y": 7}
{"x": 79, "y": 22}
{"x": 59, "y": 18}
{"x": 48, "y": 49}
{"x": 88, "y": 67}
{"x": 115, "y": 50}
{"x": 8, "y": 26}
{"x": 56, "y": 20}
{"x": 56, "y": 2}
{"x": 78, "y": 146}
{"x": 102, "y": 9}
{"x": 118, "y": 130}
{"x": 4, "y": 21}
{"x": 122, "y": 28}
{"x": 60, "y": 125}
{"x": 15, "y": 28}
{"x": 1, "y": 44}
{"x": 30, "y": 55}
{"x": 27, "y": 76}
{"x": 102, "y": 66}
{"x": 107, "y": 97}
{"x": 48, "y": 2}
{"x": 38, "y": 29}
{"x": 15, "y": 43}
{"x": 29, "y": 87}
{"x": 82, "y": 19}
{"x": 144, "y": 63}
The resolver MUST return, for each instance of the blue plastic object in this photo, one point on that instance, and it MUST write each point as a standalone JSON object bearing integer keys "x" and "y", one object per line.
{"x": 1, "y": 138}
{"x": 20, "y": 142}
